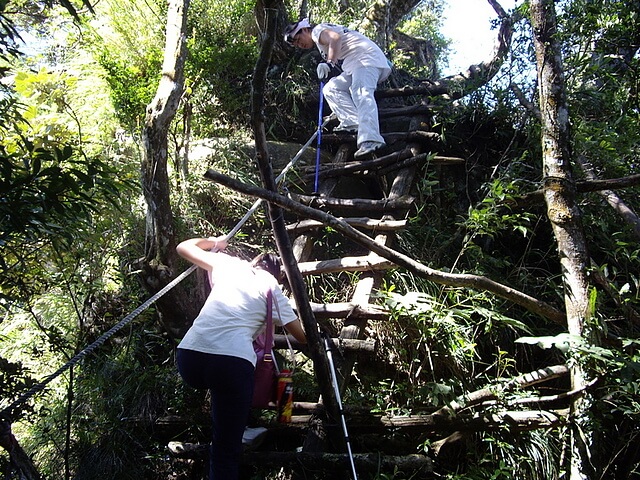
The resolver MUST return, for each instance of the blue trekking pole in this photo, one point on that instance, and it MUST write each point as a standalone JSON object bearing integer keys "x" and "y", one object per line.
{"x": 315, "y": 185}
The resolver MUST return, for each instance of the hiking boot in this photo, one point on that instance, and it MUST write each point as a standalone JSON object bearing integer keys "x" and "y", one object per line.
{"x": 367, "y": 148}
{"x": 188, "y": 450}
{"x": 329, "y": 118}
{"x": 252, "y": 438}
{"x": 346, "y": 129}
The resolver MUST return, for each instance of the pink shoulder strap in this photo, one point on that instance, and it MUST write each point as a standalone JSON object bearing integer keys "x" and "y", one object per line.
{"x": 269, "y": 322}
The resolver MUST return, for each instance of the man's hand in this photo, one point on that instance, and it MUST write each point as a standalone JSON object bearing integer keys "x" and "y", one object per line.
{"x": 327, "y": 70}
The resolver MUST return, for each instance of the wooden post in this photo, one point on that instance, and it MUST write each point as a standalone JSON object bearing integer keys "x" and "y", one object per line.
{"x": 298, "y": 287}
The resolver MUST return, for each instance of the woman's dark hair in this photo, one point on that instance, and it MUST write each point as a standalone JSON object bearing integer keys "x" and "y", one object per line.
{"x": 269, "y": 262}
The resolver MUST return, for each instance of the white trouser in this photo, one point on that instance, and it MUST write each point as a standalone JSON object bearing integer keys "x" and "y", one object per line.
{"x": 351, "y": 99}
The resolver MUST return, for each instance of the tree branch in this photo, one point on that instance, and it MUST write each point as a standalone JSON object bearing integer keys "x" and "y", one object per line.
{"x": 461, "y": 84}
{"x": 614, "y": 201}
{"x": 537, "y": 196}
{"x": 451, "y": 279}
{"x": 493, "y": 392}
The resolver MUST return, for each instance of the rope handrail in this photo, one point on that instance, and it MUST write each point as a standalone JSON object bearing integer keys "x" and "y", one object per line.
{"x": 6, "y": 412}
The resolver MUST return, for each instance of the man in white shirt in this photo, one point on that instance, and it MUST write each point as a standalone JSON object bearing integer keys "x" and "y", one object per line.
{"x": 353, "y": 67}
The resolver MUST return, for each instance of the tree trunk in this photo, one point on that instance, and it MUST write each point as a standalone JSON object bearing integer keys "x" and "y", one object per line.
{"x": 20, "y": 462}
{"x": 565, "y": 217}
{"x": 298, "y": 287}
{"x": 160, "y": 253}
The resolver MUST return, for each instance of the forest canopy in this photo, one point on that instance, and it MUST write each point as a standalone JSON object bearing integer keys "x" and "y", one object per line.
{"x": 497, "y": 335}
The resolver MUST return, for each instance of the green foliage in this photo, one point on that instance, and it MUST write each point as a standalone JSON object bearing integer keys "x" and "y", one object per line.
{"x": 118, "y": 397}
{"x": 443, "y": 344}
{"x": 68, "y": 260}
{"x": 436, "y": 340}
{"x": 207, "y": 207}
{"x": 9, "y": 37}
{"x": 614, "y": 392}
{"x": 48, "y": 197}
{"x": 222, "y": 54}
{"x": 602, "y": 73}
{"x": 618, "y": 367}
{"x": 490, "y": 217}
{"x": 533, "y": 455}
{"x": 14, "y": 380}
{"x": 49, "y": 189}
{"x": 133, "y": 86}
{"x": 292, "y": 95}
{"x": 424, "y": 23}
{"x": 604, "y": 82}
{"x": 70, "y": 7}
{"x": 128, "y": 45}
{"x": 41, "y": 338}
{"x": 53, "y": 192}
{"x": 222, "y": 51}
{"x": 500, "y": 238}
{"x": 60, "y": 196}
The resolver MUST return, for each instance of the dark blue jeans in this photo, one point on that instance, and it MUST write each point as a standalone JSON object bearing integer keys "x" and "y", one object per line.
{"x": 230, "y": 380}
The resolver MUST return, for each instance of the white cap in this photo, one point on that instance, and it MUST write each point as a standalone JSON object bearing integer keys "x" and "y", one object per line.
{"x": 292, "y": 30}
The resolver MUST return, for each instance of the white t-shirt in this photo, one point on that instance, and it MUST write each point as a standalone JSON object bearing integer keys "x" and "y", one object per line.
{"x": 234, "y": 313}
{"x": 356, "y": 50}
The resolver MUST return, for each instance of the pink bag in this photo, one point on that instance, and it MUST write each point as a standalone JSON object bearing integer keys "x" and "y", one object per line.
{"x": 265, "y": 376}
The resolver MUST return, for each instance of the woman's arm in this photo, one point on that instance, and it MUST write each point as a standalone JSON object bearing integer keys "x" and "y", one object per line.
{"x": 295, "y": 329}
{"x": 284, "y": 311}
{"x": 197, "y": 250}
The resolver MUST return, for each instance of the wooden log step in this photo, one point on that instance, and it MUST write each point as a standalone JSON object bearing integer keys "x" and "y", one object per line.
{"x": 409, "y": 162}
{"x": 355, "y": 204}
{"x": 360, "y": 222}
{"x": 332, "y": 463}
{"x": 364, "y": 462}
{"x": 515, "y": 420}
{"x": 358, "y": 422}
{"x": 334, "y": 170}
{"x": 349, "y": 310}
{"x": 345, "y": 264}
{"x": 389, "y": 138}
{"x": 393, "y": 161}
{"x": 404, "y": 111}
{"x": 347, "y": 344}
{"x": 412, "y": 136}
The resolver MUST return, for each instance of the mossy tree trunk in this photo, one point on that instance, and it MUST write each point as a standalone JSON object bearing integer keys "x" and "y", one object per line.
{"x": 565, "y": 217}
{"x": 160, "y": 254}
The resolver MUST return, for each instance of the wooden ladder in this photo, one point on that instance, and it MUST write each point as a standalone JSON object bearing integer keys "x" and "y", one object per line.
{"x": 393, "y": 173}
